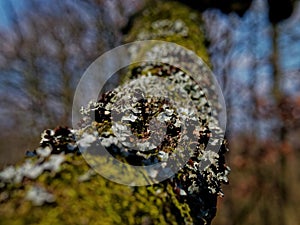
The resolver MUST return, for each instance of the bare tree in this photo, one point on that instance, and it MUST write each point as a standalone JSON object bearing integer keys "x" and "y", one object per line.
{"x": 42, "y": 57}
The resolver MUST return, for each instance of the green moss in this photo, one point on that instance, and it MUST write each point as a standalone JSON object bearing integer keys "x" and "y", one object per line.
{"x": 95, "y": 201}
{"x": 172, "y": 11}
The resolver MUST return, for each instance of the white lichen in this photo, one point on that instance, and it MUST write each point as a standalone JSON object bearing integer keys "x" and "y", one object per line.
{"x": 39, "y": 195}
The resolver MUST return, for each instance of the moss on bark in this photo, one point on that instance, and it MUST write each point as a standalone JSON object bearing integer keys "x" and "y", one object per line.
{"x": 95, "y": 200}
{"x": 179, "y": 24}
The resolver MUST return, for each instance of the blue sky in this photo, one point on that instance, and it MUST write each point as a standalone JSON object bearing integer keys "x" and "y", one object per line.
{"x": 5, "y": 12}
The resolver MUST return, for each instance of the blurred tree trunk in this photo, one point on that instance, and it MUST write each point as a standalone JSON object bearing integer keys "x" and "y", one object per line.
{"x": 280, "y": 130}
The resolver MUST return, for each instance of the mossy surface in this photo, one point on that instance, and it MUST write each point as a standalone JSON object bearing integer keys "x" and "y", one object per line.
{"x": 147, "y": 22}
{"x": 95, "y": 200}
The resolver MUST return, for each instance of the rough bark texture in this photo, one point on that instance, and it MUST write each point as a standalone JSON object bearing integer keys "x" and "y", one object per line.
{"x": 61, "y": 188}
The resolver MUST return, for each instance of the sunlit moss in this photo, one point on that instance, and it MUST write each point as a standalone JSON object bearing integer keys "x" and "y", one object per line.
{"x": 94, "y": 201}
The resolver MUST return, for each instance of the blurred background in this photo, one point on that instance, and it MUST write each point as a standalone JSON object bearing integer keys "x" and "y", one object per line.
{"x": 45, "y": 46}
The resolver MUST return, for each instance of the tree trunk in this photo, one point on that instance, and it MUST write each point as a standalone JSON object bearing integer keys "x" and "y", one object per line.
{"x": 74, "y": 194}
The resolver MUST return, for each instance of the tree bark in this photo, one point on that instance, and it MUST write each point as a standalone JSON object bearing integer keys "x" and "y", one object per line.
{"x": 79, "y": 196}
